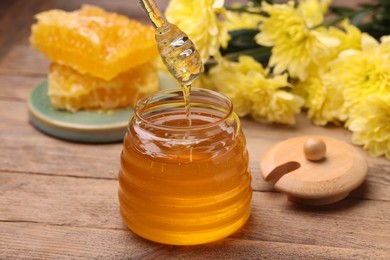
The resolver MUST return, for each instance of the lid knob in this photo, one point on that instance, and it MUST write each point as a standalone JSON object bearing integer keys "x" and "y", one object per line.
{"x": 314, "y": 149}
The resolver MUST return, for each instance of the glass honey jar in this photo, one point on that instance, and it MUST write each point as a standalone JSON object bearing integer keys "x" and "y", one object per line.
{"x": 184, "y": 181}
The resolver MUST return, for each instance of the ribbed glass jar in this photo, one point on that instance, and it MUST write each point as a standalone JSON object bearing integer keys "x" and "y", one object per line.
{"x": 184, "y": 183}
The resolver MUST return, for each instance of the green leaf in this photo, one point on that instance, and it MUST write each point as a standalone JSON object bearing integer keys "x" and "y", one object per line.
{"x": 339, "y": 10}
{"x": 357, "y": 19}
{"x": 241, "y": 40}
{"x": 243, "y": 32}
{"x": 260, "y": 53}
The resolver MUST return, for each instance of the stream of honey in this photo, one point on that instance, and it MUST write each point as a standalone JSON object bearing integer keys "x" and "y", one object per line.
{"x": 187, "y": 102}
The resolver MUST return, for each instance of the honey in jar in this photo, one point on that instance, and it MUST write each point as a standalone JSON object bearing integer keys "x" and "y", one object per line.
{"x": 184, "y": 182}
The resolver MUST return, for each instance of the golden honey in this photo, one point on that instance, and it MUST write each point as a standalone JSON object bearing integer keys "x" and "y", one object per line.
{"x": 182, "y": 183}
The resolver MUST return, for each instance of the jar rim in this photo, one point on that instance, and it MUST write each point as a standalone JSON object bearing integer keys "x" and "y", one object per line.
{"x": 153, "y": 97}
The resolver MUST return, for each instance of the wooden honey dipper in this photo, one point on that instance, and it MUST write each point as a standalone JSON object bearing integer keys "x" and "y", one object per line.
{"x": 178, "y": 52}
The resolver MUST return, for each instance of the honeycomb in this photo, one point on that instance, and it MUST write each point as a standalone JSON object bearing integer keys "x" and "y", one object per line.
{"x": 73, "y": 91}
{"x": 93, "y": 41}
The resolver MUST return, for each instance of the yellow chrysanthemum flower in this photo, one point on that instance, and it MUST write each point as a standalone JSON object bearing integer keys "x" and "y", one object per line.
{"x": 335, "y": 90}
{"x": 254, "y": 92}
{"x": 360, "y": 74}
{"x": 241, "y": 20}
{"x": 384, "y": 48}
{"x": 295, "y": 45}
{"x": 199, "y": 20}
{"x": 350, "y": 37}
{"x": 231, "y": 79}
{"x": 370, "y": 124}
{"x": 276, "y": 106}
{"x": 323, "y": 98}
{"x": 313, "y": 11}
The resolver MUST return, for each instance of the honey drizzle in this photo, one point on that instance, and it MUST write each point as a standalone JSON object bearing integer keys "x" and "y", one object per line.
{"x": 177, "y": 51}
{"x": 187, "y": 102}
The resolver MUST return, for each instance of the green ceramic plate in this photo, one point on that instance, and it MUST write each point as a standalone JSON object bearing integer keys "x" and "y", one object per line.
{"x": 87, "y": 126}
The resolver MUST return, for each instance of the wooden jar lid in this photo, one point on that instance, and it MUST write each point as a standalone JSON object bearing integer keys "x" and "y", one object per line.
{"x": 314, "y": 181}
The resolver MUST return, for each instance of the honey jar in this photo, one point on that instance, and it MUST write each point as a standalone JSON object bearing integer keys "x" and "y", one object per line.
{"x": 184, "y": 181}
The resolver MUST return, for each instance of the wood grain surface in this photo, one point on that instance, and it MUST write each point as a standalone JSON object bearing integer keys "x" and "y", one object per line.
{"x": 58, "y": 200}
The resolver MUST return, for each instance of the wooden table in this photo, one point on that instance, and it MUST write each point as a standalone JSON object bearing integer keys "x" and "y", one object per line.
{"x": 59, "y": 199}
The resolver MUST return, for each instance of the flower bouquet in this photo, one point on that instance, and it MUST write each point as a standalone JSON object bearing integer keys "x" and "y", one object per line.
{"x": 276, "y": 60}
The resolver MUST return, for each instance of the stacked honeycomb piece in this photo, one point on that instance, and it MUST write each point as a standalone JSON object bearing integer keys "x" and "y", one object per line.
{"x": 99, "y": 59}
